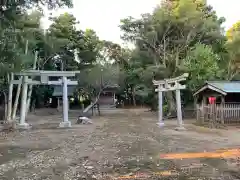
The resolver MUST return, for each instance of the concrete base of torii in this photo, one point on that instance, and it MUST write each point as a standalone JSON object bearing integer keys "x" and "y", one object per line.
{"x": 160, "y": 124}
{"x": 65, "y": 124}
{"x": 180, "y": 128}
{"x": 23, "y": 126}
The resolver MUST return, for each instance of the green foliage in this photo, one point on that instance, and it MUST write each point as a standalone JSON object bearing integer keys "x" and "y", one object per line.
{"x": 95, "y": 79}
{"x": 202, "y": 64}
{"x": 64, "y": 38}
{"x": 165, "y": 108}
{"x": 233, "y": 59}
{"x": 178, "y": 36}
{"x": 20, "y": 34}
{"x": 233, "y": 31}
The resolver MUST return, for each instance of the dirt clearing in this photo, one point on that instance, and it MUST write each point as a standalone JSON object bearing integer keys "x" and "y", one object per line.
{"x": 120, "y": 144}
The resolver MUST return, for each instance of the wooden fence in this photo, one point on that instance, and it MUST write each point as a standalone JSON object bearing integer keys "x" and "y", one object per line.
{"x": 219, "y": 113}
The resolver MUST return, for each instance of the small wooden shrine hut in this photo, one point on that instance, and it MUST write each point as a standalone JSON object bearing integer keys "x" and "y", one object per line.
{"x": 108, "y": 97}
{"x": 218, "y": 101}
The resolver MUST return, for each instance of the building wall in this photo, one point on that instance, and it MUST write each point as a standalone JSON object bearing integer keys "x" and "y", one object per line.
{"x": 232, "y": 98}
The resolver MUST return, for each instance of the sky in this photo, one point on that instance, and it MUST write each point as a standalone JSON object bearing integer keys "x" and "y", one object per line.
{"x": 104, "y": 16}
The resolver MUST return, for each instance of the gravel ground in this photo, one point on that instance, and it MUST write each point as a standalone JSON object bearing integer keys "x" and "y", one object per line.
{"x": 120, "y": 142}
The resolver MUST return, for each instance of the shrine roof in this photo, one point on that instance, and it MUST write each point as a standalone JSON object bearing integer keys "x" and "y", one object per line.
{"x": 222, "y": 87}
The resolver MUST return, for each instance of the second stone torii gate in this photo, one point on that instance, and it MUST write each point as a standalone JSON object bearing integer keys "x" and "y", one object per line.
{"x": 170, "y": 85}
{"x": 44, "y": 79}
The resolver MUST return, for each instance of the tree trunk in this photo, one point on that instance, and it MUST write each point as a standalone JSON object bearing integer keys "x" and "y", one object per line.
{"x": 5, "y": 106}
{"x": 98, "y": 108}
{"x": 10, "y": 92}
{"x": 26, "y": 47}
{"x": 94, "y": 103}
{"x": 134, "y": 96}
{"x": 153, "y": 100}
{"x": 15, "y": 106}
{"x": 171, "y": 104}
{"x": 164, "y": 51}
{"x": 31, "y": 86}
{"x": 32, "y": 107}
{"x": 58, "y": 104}
{"x": 82, "y": 106}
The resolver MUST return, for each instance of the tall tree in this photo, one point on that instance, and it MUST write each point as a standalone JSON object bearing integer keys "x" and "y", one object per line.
{"x": 233, "y": 49}
{"x": 66, "y": 38}
{"x": 196, "y": 61}
{"x": 166, "y": 35}
{"x": 15, "y": 43}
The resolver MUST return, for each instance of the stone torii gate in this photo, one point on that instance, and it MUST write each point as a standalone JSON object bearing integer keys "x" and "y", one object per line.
{"x": 170, "y": 85}
{"x": 44, "y": 80}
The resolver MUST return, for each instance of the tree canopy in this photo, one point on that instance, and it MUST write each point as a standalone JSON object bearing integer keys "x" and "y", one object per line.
{"x": 178, "y": 36}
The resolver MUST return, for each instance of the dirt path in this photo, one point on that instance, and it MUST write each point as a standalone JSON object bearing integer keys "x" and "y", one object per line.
{"x": 121, "y": 142}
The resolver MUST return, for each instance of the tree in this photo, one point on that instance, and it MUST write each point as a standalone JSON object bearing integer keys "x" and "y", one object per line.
{"x": 232, "y": 46}
{"x": 233, "y": 31}
{"x": 66, "y": 38}
{"x": 62, "y": 32}
{"x": 14, "y": 17}
{"x": 202, "y": 64}
{"x": 13, "y": 52}
{"x": 94, "y": 80}
{"x": 166, "y": 35}
{"x": 89, "y": 48}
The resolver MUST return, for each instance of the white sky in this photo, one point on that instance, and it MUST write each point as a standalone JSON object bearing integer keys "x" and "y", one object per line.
{"x": 104, "y": 16}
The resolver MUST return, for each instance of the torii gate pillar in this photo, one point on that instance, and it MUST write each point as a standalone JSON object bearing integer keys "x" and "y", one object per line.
{"x": 160, "y": 107}
{"x": 66, "y": 122}
{"x": 22, "y": 123}
{"x": 179, "y": 108}
{"x": 170, "y": 85}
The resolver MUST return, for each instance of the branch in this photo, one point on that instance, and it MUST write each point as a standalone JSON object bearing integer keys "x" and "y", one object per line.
{"x": 158, "y": 50}
{"x": 95, "y": 102}
{"x": 233, "y": 75}
{"x": 166, "y": 32}
{"x": 188, "y": 40}
{"x": 47, "y": 59}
